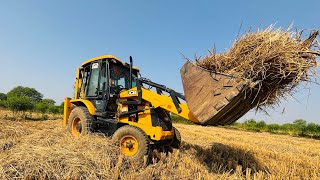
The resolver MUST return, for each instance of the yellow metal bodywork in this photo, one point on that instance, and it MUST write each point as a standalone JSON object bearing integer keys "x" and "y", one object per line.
{"x": 85, "y": 102}
{"x": 129, "y": 151}
{"x": 160, "y": 100}
{"x": 106, "y": 57}
{"x": 68, "y": 106}
{"x": 77, "y": 85}
{"x": 145, "y": 121}
{"x": 74, "y": 130}
{"x": 66, "y": 110}
{"x": 149, "y": 98}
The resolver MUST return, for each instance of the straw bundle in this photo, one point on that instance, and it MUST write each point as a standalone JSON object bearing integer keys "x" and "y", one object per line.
{"x": 273, "y": 61}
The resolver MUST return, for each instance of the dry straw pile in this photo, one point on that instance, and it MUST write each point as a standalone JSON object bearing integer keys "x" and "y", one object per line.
{"x": 272, "y": 61}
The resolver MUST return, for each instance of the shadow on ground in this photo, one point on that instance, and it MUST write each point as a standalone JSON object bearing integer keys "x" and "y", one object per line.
{"x": 220, "y": 158}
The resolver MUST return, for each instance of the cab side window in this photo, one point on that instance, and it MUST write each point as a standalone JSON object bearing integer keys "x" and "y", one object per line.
{"x": 103, "y": 79}
{"x": 94, "y": 79}
{"x": 85, "y": 77}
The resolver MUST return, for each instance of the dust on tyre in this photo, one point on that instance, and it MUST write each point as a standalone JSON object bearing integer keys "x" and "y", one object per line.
{"x": 132, "y": 141}
{"x": 80, "y": 121}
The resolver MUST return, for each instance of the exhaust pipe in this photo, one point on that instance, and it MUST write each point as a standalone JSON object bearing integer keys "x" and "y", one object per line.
{"x": 130, "y": 78}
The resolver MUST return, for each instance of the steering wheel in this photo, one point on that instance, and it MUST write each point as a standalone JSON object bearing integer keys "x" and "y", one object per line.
{"x": 118, "y": 89}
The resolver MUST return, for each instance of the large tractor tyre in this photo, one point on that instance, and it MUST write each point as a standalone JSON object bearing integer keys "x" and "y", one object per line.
{"x": 133, "y": 142}
{"x": 176, "y": 142}
{"x": 80, "y": 121}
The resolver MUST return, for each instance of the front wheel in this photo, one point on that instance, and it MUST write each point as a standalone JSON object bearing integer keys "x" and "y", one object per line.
{"x": 133, "y": 142}
{"x": 80, "y": 121}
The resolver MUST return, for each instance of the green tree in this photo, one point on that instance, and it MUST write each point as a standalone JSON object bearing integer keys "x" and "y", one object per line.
{"x": 31, "y": 93}
{"x": 3, "y": 103}
{"x": 61, "y": 107}
{"x": 289, "y": 127}
{"x": 3, "y": 97}
{"x": 301, "y": 125}
{"x": 54, "y": 109}
{"x": 261, "y": 125}
{"x": 250, "y": 125}
{"x": 49, "y": 102}
{"x": 41, "y": 107}
{"x": 312, "y": 128}
{"x": 273, "y": 127}
{"x": 21, "y": 103}
{"x": 300, "y": 122}
{"x": 179, "y": 119}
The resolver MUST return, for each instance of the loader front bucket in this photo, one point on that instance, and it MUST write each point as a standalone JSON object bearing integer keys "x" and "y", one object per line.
{"x": 214, "y": 99}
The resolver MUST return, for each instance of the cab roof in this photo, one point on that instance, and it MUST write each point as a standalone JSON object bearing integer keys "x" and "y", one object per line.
{"x": 108, "y": 56}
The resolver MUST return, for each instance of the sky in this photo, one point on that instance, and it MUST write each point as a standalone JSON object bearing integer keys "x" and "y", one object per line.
{"x": 42, "y": 42}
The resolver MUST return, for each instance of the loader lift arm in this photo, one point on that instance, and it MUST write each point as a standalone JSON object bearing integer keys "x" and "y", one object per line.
{"x": 160, "y": 88}
{"x": 170, "y": 103}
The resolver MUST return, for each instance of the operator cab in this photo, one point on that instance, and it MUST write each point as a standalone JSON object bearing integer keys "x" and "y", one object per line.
{"x": 100, "y": 81}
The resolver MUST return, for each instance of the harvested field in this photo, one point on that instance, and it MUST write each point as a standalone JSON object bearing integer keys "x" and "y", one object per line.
{"x": 44, "y": 150}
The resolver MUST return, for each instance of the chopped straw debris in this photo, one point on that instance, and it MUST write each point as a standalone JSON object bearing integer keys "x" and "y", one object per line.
{"x": 272, "y": 61}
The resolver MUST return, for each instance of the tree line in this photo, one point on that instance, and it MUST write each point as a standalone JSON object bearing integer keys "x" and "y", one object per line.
{"x": 24, "y": 99}
{"x": 299, "y": 127}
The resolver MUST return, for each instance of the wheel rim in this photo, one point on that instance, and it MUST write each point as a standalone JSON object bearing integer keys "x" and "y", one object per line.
{"x": 129, "y": 146}
{"x": 76, "y": 127}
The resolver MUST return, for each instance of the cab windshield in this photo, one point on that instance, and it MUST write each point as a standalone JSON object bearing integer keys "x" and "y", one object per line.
{"x": 120, "y": 77}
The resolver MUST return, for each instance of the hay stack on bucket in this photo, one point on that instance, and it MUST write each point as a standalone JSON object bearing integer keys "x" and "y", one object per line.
{"x": 273, "y": 61}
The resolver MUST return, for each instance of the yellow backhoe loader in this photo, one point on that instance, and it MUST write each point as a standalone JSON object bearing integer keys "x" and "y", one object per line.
{"x": 111, "y": 98}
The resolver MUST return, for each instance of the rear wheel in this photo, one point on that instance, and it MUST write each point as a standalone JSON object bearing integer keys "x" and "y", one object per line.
{"x": 133, "y": 142}
{"x": 80, "y": 121}
{"x": 176, "y": 142}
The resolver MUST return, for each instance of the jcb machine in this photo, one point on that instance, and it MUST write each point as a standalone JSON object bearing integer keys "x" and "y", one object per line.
{"x": 110, "y": 97}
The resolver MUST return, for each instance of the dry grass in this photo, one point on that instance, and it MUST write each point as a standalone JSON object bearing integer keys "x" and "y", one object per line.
{"x": 44, "y": 150}
{"x": 272, "y": 61}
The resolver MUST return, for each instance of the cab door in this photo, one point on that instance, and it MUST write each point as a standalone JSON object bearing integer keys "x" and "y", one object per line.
{"x": 96, "y": 84}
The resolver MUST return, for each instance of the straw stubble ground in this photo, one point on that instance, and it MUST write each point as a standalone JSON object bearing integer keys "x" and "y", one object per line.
{"x": 44, "y": 150}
